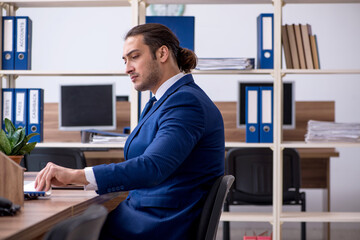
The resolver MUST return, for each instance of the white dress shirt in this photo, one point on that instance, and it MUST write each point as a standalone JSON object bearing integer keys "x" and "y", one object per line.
{"x": 89, "y": 173}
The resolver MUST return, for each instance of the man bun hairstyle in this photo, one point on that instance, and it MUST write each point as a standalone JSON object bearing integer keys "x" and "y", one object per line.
{"x": 157, "y": 35}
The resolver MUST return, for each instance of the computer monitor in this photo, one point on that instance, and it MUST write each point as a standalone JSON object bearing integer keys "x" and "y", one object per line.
{"x": 288, "y": 103}
{"x": 87, "y": 106}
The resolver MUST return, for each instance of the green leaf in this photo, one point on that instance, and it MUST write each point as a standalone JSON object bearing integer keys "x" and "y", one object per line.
{"x": 1, "y": 149}
{"x": 5, "y": 143}
{"x": 14, "y": 141}
{"x": 21, "y": 138}
{"x": 9, "y": 127}
{"x": 17, "y": 137}
{"x": 30, "y": 136}
{"x": 27, "y": 148}
{"x": 16, "y": 149}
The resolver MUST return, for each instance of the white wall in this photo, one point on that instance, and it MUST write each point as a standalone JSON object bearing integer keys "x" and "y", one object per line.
{"x": 92, "y": 39}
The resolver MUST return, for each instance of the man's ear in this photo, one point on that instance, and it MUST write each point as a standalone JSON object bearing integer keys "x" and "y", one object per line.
{"x": 163, "y": 53}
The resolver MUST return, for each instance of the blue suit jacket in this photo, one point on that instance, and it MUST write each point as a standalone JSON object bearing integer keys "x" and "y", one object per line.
{"x": 172, "y": 158}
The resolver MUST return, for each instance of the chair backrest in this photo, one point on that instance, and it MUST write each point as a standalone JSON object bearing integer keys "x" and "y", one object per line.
{"x": 253, "y": 171}
{"x": 84, "y": 226}
{"x": 210, "y": 216}
{"x": 66, "y": 157}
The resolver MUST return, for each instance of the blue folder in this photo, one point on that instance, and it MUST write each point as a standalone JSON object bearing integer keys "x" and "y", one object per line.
{"x": 266, "y": 114}
{"x": 36, "y": 114}
{"x": 182, "y": 26}
{"x": 8, "y": 42}
{"x": 23, "y": 43}
{"x": 252, "y": 114}
{"x": 20, "y": 107}
{"x": 7, "y": 110}
{"x": 265, "y": 41}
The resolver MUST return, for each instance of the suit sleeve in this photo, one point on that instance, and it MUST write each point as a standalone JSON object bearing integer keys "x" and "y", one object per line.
{"x": 180, "y": 127}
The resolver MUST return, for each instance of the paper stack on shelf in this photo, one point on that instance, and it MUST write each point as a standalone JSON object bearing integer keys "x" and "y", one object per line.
{"x": 108, "y": 139}
{"x": 96, "y": 136}
{"x": 320, "y": 131}
{"x": 225, "y": 63}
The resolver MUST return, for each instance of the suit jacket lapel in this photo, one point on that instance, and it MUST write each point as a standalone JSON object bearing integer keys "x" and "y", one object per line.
{"x": 182, "y": 81}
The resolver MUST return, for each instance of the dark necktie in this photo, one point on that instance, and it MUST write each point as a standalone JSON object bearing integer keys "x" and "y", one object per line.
{"x": 147, "y": 107}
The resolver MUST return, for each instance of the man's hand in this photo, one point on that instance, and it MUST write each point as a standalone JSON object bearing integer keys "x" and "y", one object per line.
{"x": 55, "y": 175}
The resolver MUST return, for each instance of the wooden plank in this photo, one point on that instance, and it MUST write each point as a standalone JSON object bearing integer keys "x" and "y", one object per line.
{"x": 11, "y": 180}
{"x": 38, "y": 216}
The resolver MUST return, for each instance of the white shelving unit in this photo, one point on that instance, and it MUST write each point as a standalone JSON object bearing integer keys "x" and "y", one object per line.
{"x": 4, "y": 73}
{"x": 11, "y": 6}
{"x": 138, "y": 7}
{"x": 66, "y": 3}
{"x": 277, "y": 216}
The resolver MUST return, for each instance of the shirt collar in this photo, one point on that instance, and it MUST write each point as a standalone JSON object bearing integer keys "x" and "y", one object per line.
{"x": 167, "y": 84}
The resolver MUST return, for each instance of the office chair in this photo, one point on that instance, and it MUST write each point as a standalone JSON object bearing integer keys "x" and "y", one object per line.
{"x": 210, "y": 215}
{"x": 84, "y": 226}
{"x": 66, "y": 157}
{"x": 253, "y": 171}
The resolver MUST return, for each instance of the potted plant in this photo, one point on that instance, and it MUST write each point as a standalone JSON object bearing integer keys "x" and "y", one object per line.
{"x": 14, "y": 143}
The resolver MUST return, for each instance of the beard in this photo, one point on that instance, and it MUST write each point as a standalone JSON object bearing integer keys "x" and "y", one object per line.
{"x": 151, "y": 79}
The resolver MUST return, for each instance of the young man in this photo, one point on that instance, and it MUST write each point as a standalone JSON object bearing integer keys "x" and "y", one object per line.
{"x": 172, "y": 157}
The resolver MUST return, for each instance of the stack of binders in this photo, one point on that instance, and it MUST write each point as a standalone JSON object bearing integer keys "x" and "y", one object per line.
{"x": 300, "y": 47}
{"x": 259, "y": 114}
{"x": 25, "y": 108}
{"x": 16, "y": 43}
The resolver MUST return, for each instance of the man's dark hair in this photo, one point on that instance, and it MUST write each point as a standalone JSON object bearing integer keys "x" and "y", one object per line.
{"x": 157, "y": 35}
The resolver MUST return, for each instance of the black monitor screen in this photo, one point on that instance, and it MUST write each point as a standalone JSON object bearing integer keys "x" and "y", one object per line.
{"x": 288, "y": 103}
{"x": 87, "y": 107}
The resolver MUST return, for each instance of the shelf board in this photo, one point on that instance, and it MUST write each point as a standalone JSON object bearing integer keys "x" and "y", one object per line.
{"x": 234, "y": 72}
{"x": 120, "y": 3}
{"x": 245, "y": 1}
{"x": 80, "y": 145}
{"x": 320, "y": 217}
{"x": 247, "y": 145}
{"x": 67, "y": 3}
{"x": 284, "y": 71}
{"x": 320, "y": 71}
{"x": 210, "y": 72}
{"x": 227, "y": 145}
{"x": 246, "y": 217}
{"x": 289, "y": 144}
{"x": 61, "y": 73}
{"x": 320, "y": 1}
{"x": 318, "y": 145}
{"x": 209, "y": 2}
{"x": 292, "y": 217}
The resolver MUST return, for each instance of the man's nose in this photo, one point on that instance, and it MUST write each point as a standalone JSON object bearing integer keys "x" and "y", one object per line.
{"x": 129, "y": 68}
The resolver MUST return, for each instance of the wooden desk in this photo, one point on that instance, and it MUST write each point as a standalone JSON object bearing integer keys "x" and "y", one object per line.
{"x": 38, "y": 216}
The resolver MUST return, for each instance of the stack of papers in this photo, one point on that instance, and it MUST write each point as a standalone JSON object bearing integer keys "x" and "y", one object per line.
{"x": 225, "y": 63}
{"x": 320, "y": 131}
{"x": 108, "y": 139}
{"x": 96, "y": 136}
